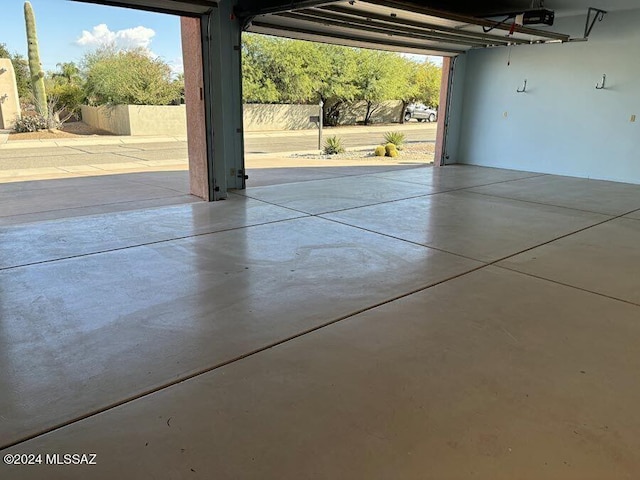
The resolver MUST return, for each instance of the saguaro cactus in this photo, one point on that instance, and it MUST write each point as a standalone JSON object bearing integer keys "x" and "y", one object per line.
{"x": 35, "y": 67}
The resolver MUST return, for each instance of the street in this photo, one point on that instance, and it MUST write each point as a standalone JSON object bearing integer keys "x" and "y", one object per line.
{"x": 97, "y": 152}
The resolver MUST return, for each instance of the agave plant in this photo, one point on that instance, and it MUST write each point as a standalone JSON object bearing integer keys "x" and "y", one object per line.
{"x": 397, "y": 138}
{"x": 333, "y": 145}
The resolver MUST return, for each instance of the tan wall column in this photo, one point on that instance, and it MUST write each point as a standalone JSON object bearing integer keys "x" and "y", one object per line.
{"x": 194, "y": 98}
{"x": 9, "y": 101}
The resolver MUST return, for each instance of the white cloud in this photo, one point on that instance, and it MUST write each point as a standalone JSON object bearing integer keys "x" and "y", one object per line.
{"x": 130, "y": 38}
{"x": 101, "y": 35}
{"x": 177, "y": 66}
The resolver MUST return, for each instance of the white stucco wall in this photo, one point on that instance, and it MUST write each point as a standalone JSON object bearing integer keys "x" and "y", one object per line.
{"x": 158, "y": 120}
{"x": 260, "y": 117}
{"x": 111, "y": 119}
{"x": 137, "y": 119}
{"x": 385, "y": 112}
{"x": 562, "y": 125}
{"x": 172, "y": 120}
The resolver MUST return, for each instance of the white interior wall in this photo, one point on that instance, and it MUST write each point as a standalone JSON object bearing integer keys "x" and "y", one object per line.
{"x": 562, "y": 124}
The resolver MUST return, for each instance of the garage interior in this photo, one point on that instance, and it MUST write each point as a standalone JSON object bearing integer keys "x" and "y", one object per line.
{"x": 477, "y": 319}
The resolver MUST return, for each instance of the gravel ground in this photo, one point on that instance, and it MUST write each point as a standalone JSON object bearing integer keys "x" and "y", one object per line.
{"x": 416, "y": 151}
{"x": 69, "y": 130}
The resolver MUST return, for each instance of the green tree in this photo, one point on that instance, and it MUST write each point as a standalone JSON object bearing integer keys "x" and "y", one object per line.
{"x": 281, "y": 68}
{"x": 64, "y": 97}
{"x": 403, "y": 85}
{"x": 378, "y": 80}
{"x": 257, "y": 87}
{"x": 65, "y": 91}
{"x": 420, "y": 83}
{"x": 128, "y": 77}
{"x": 21, "y": 67}
{"x": 277, "y": 70}
{"x": 428, "y": 79}
{"x": 179, "y": 86}
{"x": 335, "y": 73}
{"x": 68, "y": 72}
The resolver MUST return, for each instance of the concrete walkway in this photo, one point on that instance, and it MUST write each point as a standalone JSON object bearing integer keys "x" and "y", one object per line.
{"x": 413, "y": 130}
{"x": 89, "y": 140}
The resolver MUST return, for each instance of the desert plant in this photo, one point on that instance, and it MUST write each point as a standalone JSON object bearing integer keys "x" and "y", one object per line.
{"x": 30, "y": 123}
{"x": 333, "y": 145}
{"x": 129, "y": 77}
{"x": 35, "y": 67}
{"x": 68, "y": 97}
{"x": 68, "y": 73}
{"x": 380, "y": 151}
{"x": 59, "y": 113}
{"x": 397, "y": 138}
{"x": 391, "y": 150}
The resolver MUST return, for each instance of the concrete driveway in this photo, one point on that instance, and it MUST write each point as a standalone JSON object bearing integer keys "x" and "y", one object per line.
{"x": 43, "y": 180}
{"x": 108, "y": 155}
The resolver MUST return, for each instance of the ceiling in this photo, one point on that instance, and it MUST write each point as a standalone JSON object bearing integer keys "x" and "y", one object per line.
{"x": 561, "y": 7}
{"x": 396, "y": 25}
{"x": 465, "y": 7}
{"x": 432, "y": 27}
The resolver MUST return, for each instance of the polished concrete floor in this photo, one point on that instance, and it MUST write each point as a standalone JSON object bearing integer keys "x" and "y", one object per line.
{"x": 31, "y": 196}
{"x": 425, "y": 323}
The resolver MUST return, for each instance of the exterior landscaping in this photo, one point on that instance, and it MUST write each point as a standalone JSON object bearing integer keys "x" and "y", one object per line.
{"x": 418, "y": 152}
{"x": 354, "y": 86}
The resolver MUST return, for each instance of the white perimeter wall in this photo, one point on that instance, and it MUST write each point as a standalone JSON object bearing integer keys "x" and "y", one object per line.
{"x": 172, "y": 120}
{"x": 263, "y": 117}
{"x": 137, "y": 119}
{"x": 562, "y": 125}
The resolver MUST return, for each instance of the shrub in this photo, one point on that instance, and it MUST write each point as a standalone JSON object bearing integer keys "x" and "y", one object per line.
{"x": 397, "y": 138}
{"x": 333, "y": 145}
{"x": 380, "y": 151}
{"x": 58, "y": 113}
{"x": 31, "y": 123}
{"x": 34, "y": 122}
{"x": 129, "y": 77}
{"x": 391, "y": 150}
{"x": 68, "y": 97}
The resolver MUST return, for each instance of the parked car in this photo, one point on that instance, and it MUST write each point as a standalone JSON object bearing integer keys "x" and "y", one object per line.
{"x": 420, "y": 112}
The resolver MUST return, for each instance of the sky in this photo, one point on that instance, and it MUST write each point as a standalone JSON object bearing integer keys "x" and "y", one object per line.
{"x": 67, "y": 30}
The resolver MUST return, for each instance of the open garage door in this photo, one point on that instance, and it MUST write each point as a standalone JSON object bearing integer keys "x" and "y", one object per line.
{"x": 390, "y": 25}
{"x": 449, "y": 30}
